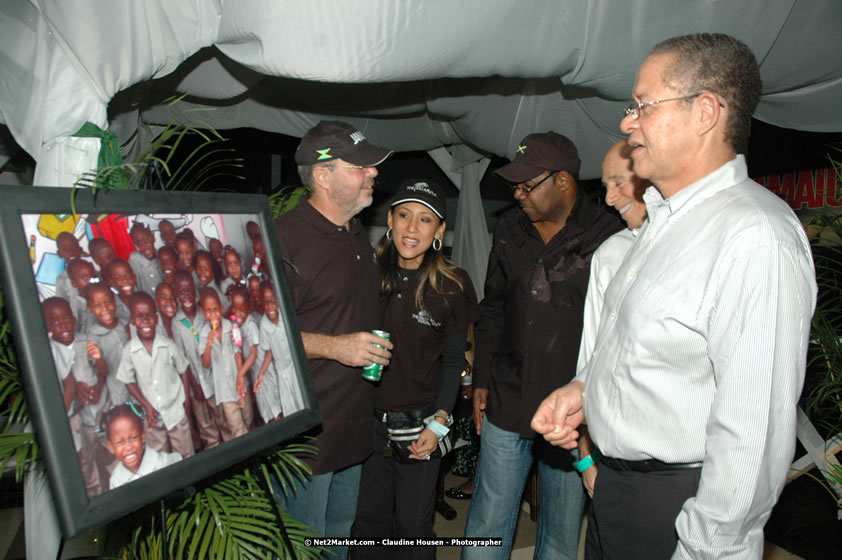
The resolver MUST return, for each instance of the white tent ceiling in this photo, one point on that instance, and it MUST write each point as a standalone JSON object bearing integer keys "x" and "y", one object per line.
{"x": 413, "y": 74}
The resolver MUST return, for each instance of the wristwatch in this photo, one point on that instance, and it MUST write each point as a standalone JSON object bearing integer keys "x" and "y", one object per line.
{"x": 448, "y": 419}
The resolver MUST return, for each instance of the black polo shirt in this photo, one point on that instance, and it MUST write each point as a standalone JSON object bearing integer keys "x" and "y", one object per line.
{"x": 530, "y": 321}
{"x": 335, "y": 282}
{"x": 412, "y": 380}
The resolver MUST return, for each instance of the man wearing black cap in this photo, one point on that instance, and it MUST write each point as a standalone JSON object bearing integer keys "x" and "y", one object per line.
{"x": 333, "y": 277}
{"x": 527, "y": 342}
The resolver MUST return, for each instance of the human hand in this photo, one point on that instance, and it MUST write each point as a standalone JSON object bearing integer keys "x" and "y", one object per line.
{"x": 152, "y": 416}
{"x": 93, "y": 350}
{"x": 560, "y": 414}
{"x": 85, "y": 393}
{"x": 257, "y": 383}
{"x": 480, "y": 402}
{"x": 241, "y": 388}
{"x": 589, "y": 479}
{"x": 424, "y": 446}
{"x": 358, "y": 349}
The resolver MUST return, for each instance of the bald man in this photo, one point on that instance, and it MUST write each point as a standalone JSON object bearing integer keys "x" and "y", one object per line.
{"x": 623, "y": 191}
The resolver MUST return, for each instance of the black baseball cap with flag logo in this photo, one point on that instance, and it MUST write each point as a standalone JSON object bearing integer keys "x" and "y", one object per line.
{"x": 331, "y": 140}
{"x": 428, "y": 193}
{"x": 537, "y": 153}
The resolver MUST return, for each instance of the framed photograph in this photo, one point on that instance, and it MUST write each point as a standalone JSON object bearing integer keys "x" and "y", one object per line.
{"x": 156, "y": 339}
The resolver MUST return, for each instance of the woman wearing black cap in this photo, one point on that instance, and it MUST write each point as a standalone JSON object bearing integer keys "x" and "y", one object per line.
{"x": 428, "y": 303}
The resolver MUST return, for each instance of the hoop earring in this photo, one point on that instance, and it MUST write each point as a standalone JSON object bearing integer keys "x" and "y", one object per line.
{"x": 389, "y": 234}
{"x": 435, "y": 248}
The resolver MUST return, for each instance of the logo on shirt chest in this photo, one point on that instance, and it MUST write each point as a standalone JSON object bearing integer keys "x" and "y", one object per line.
{"x": 423, "y": 317}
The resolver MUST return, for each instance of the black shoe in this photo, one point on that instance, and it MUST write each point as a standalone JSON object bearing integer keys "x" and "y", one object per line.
{"x": 457, "y": 494}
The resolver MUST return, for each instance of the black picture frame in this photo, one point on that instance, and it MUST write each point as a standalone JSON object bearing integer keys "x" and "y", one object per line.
{"x": 77, "y": 511}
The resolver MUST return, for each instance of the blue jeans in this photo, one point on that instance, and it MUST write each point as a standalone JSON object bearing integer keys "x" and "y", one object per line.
{"x": 504, "y": 462}
{"x": 327, "y": 503}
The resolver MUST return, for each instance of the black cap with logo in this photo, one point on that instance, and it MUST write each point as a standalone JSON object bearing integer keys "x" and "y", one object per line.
{"x": 331, "y": 140}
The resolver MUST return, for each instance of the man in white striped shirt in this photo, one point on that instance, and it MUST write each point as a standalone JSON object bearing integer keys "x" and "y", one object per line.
{"x": 691, "y": 390}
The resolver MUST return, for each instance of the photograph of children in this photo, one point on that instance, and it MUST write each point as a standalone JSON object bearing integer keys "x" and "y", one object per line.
{"x": 155, "y": 325}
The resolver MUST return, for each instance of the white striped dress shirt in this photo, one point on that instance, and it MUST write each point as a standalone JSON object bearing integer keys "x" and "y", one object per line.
{"x": 701, "y": 349}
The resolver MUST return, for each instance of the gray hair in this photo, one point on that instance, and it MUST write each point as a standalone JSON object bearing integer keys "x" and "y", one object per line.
{"x": 719, "y": 64}
{"x": 306, "y": 173}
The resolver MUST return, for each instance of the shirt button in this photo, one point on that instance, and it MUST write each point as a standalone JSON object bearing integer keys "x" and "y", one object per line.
{"x": 405, "y": 279}
{"x": 595, "y": 353}
{"x": 399, "y": 296}
{"x": 540, "y": 261}
{"x": 534, "y": 292}
{"x": 358, "y": 257}
{"x": 613, "y": 314}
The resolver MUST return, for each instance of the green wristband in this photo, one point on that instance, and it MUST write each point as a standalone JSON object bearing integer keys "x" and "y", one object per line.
{"x": 438, "y": 429}
{"x": 586, "y": 463}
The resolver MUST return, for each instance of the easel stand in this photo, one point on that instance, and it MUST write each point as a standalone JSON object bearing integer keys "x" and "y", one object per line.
{"x": 820, "y": 453}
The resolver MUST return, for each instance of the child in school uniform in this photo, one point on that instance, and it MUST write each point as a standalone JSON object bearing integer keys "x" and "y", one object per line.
{"x": 241, "y": 315}
{"x": 81, "y": 273}
{"x": 68, "y": 248}
{"x": 273, "y": 341}
{"x": 166, "y": 230}
{"x": 168, "y": 261}
{"x": 265, "y": 388}
{"x": 110, "y": 334}
{"x": 186, "y": 325}
{"x": 234, "y": 269}
{"x": 126, "y": 439}
{"x": 124, "y": 284}
{"x": 102, "y": 253}
{"x": 255, "y": 299}
{"x": 218, "y": 354}
{"x": 81, "y": 359}
{"x": 153, "y": 369}
{"x": 185, "y": 249}
{"x": 205, "y": 268}
{"x": 215, "y": 248}
{"x": 144, "y": 260}
{"x": 259, "y": 267}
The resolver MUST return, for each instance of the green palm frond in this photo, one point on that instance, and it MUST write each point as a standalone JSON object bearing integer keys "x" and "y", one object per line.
{"x": 232, "y": 519}
{"x": 285, "y": 199}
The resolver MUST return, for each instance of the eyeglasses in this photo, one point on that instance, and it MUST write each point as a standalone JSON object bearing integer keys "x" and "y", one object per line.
{"x": 526, "y": 190}
{"x": 635, "y": 107}
{"x": 357, "y": 167}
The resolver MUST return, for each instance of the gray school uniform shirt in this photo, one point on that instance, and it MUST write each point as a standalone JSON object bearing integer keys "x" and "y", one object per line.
{"x": 273, "y": 337}
{"x": 111, "y": 342}
{"x": 186, "y": 336}
{"x": 73, "y": 359}
{"x": 223, "y": 364}
{"x": 157, "y": 375}
{"x": 227, "y": 283}
{"x": 78, "y": 304}
{"x": 268, "y": 398}
{"x": 148, "y": 272}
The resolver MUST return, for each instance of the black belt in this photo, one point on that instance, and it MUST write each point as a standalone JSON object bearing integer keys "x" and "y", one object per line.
{"x": 646, "y": 465}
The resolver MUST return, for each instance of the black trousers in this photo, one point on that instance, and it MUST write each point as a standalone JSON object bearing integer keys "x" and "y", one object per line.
{"x": 633, "y": 513}
{"x": 395, "y": 501}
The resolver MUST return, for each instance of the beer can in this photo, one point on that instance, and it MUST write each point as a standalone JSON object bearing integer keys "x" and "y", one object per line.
{"x": 374, "y": 371}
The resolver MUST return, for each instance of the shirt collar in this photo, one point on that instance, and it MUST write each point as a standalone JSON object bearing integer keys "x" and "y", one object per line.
{"x": 321, "y": 223}
{"x": 726, "y": 176}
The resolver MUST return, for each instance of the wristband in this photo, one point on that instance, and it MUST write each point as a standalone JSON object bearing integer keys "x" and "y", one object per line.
{"x": 438, "y": 429}
{"x": 587, "y": 462}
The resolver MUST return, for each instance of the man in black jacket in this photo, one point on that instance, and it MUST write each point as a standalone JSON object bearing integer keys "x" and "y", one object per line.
{"x": 527, "y": 343}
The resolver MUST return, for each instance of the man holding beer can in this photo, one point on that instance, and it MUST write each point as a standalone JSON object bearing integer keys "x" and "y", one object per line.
{"x": 332, "y": 273}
